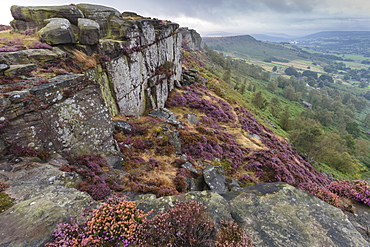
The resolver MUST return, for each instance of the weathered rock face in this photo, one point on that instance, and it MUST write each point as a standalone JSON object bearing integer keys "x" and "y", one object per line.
{"x": 33, "y": 17}
{"x": 44, "y": 197}
{"x": 89, "y": 31}
{"x": 191, "y": 40}
{"x": 142, "y": 70}
{"x": 67, "y": 115}
{"x": 274, "y": 215}
{"x": 145, "y": 55}
{"x": 4, "y": 64}
{"x": 32, "y": 56}
{"x": 101, "y": 14}
{"x": 57, "y": 31}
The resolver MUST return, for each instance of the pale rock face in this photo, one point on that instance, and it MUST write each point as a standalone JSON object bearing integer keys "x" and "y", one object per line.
{"x": 134, "y": 76}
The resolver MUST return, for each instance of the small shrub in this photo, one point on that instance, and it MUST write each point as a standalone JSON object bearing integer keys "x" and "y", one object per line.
{"x": 115, "y": 224}
{"x": 90, "y": 168}
{"x": 112, "y": 224}
{"x": 232, "y": 235}
{"x": 68, "y": 235}
{"x": 186, "y": 224}
{"x": 3, "y": 186}
{"x": 180, "y": 180}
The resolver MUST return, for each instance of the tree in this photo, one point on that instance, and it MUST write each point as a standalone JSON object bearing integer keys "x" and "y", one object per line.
{"x": 250, "y": 87}
{"x": 289, "y": 93}
{"x": 291, "y": 71}
{"x": 227, "y": 76}
{"x": 366, "y": 120}
{"x": 326, "y": 77}
{"x": 353, "y": 129}
{"x": 284, "y": 120}
{"x": 274, "y": 69}
{"x": 275, "y": 106}
{"x": 309, "y": 73}
{"x": 363, "y": 84}
{"x": 272, "y": 86}
{"x": 308, "y": 139}
{"x": 242, "y": 89}
{"x": 259, "y": 101}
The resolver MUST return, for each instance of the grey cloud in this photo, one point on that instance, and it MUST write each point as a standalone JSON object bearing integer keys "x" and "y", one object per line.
{"x": 240, "y": 16}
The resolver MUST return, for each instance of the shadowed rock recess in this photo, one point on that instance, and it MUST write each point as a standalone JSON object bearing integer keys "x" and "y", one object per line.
{"x": 58, "y": 135}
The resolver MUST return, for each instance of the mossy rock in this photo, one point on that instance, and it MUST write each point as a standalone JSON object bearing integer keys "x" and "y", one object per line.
{"x": 5, "y": 202}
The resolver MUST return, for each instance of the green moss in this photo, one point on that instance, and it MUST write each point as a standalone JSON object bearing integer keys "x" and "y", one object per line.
{"x": 5, "y": 202}
{"x": 97, "y": 74}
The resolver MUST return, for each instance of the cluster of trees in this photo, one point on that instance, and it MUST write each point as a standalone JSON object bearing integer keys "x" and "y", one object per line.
{"x": 310, "y": 77}
{"x": 328, "y": 132}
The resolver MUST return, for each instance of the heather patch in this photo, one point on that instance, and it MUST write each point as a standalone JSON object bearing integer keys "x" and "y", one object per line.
{"x": 91, "y": 167}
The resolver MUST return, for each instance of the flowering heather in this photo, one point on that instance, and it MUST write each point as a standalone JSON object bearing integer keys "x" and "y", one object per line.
{"x": 111, "y": 224}
{"x": 358, "y": 190}
{"x": 185, "y": 224}
{"x": 320, "y": 192}
{"x": 158, "y": 190}
{"x": 213, "y": 144}
{"x": 11, "y": 45}
{"x": 279, "y": 162}
{"x": 90, "y": 168}
{"x": 192, "y": 97}
{"x": 247, "y": 180}
{"x": 115, "y": 224}
{"x": 28, "y": 32}
{"x": 68, "y": 235}
{"x": 232, "y": 235}
{"x": 180, "y": 180}
{"x": 39, "y": 45}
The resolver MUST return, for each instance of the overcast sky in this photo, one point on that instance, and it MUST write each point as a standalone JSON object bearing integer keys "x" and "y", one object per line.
{"x": 293, "y": 17}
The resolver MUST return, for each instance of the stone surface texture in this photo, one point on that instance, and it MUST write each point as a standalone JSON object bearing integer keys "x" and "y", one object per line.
{"x": 67, "y": 115}
{"x": 274, "y": 214}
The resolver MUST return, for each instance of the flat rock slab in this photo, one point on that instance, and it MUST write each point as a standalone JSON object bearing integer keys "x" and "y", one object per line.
{"x": 275, "y": 214}
{"x": 280, "y": 215}
{"x": 21, "y": 69}
{"x": 42, "y": 200}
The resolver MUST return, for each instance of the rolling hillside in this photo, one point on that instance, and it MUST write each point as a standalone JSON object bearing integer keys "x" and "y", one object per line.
{"x": 245, "y": 46}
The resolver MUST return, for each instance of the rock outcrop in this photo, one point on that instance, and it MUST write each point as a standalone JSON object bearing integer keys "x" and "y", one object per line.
{"x": 58, "y": 31}
{"x": 66, "y": 115}
{"x": 44, "y": 197}
{"x": 144, "y": 53}
{"x": 191, "y": 40}
{"x": 274, "y": 214}
{"x": 142, "y": 70}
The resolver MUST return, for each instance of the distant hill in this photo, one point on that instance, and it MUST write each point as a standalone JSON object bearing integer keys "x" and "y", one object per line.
{"x": 333, "y": 34}
{"x": 245, "y": 46}
{"x": 277, "y": 38}
{"x": 342, "y": 42}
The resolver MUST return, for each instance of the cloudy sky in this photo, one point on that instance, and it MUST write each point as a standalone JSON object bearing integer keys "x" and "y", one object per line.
{"x": 293, "y": 17}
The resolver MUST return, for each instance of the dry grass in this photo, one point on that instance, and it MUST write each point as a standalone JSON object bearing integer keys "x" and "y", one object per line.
{"x": 26, "y": 39}
{"x": 86, "y": 61}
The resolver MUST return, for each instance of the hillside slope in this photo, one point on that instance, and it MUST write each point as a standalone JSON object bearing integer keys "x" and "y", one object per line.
{"x": 246, "y": 46}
